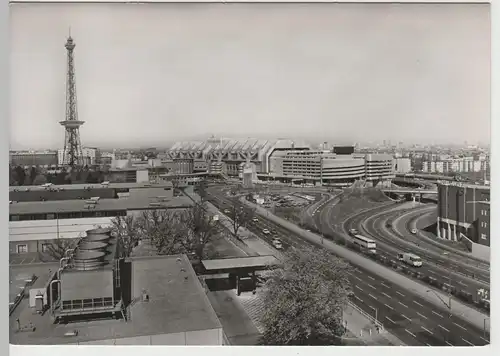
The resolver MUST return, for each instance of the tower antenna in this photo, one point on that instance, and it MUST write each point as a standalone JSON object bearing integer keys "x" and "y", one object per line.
{"x": 72, "y": 154}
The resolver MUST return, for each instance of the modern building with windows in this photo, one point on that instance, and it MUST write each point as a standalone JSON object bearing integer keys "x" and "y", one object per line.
{"x": 464, "y": 214}
{"x": 34, "y": 222}
{"x": 33, "y": 158}
{"x": 284, "y": 160}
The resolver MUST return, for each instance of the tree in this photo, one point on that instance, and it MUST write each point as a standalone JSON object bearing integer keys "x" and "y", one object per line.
{"x": 128, "y": 232}
{"x": 57, "y": 249}
{"x": 39, "y": 179}
{"x": 200, "y": 228}
{"x": 163, "y": 227}
{"x": 20, "y": 174}
{"x": 240, "y": 216}
{"x": 304, "y": 299}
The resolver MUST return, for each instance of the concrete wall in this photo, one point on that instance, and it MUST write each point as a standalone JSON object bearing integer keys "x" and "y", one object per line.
{"x": 212, "y": 337}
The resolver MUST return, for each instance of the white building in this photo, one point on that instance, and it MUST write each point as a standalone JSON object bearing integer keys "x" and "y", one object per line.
{"x": 402, "y": 165}
{"x": 89, "y": 155}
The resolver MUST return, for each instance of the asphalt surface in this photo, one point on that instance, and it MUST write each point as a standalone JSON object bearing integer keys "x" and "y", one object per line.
{"x": 389, "y": 244}
{"x": 415, "y": 321}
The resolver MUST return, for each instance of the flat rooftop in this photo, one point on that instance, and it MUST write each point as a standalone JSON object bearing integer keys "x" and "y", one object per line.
{"x": 240, "y": 262}
{"x": 91, "y": 186}
{"x": 177, "y": 303}
{"x": 69, "y": 206}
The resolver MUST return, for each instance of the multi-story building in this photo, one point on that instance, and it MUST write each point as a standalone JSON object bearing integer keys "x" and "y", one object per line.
{"x": 33, "y": 158}
{"x": 464, "y": 211}
{"x": 455, "y": 165}
{"x": 284, "y": 160}
{"x": 91, "y": 156}
{"x": 402, "y": 165}
{"x": 38, "y": 215}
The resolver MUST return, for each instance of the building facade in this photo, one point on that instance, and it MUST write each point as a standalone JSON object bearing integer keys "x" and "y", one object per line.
{"x": 464, "y": 209}
{"x": 90, "y": 156}
{"x": 33, "y": 158}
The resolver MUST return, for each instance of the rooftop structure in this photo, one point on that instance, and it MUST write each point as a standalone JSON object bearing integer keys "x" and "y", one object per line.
{"x": 144, "y": 301}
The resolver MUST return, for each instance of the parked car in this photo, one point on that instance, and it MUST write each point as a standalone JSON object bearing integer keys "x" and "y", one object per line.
{"x": 266, "y": 231}
{"x": 413, "y": 231}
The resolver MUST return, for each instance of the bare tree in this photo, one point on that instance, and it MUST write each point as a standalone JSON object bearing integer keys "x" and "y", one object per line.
{"x": 200, "y": 229}
{"x": 240, "y": 216}
{"x": 163, "y": 227}
{"x": 57, "y": 249}
{"x": 128, "y": 231}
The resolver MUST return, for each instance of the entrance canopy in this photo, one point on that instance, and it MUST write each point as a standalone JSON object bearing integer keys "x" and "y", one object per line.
{"x": 240, "y": 264}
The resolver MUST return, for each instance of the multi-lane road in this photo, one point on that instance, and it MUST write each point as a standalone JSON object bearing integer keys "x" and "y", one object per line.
{"x": 410, "y": 318}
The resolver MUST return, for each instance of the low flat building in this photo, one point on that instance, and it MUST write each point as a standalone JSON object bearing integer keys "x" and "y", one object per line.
{"x": 111, "y": 301}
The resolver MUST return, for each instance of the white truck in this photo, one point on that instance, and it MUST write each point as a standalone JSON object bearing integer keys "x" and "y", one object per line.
{"x": 410, "y": 259}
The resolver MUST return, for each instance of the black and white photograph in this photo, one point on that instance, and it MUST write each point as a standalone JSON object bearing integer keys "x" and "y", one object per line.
{"x": 249, "y": 174}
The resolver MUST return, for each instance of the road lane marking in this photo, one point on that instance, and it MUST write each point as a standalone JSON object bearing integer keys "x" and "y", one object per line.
{"x": 404, "y": 316}
{"x": 442, "y": 327}
{"x": 460, "y": 326}
{"x": 372, "y": 296}
{"x": 448, "y": 343}
{"x": 388, "y": 306}
{"x": 387, "y": 295}
{"x": 409, "y": 332}
{"x": 385, "y": 285}
{"x": 470, "y": 343}
{"x": 465, "y": 285}
{"x": 423, "y": 316}
{"x": 433, "y": 312}
{"x": 358, "y": 287}
{"x": 358, "y": 298}
{"x": 401, "y": 294}
{"x": 427, "y": 344}
{"x": 482, "y": 338}
{"x": 371, "y": 278}
{"x": 403, "y": 305}
{"x": 426, "y": 330}
{"x": 22, "y": 261}
{"x": 371, "y": 286}
{"x": 418, "y": 303}
{"x": 390, "y": 320}
{"x": 430, "y": 271}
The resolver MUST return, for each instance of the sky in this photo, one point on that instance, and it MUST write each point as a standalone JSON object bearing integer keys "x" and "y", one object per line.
{"x": 155, "y": 73}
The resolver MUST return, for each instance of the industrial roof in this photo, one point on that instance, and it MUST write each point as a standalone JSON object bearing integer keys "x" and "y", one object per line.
{"x": 241, "y": 262}
{"x": 177, "y": 303}
{"x": 223, "y": 144}
{"x": 91, "y": 186}
{"x": 68, "y": 206}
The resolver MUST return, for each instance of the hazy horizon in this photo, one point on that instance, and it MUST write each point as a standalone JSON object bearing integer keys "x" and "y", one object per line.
{"x": 154, "y": 73}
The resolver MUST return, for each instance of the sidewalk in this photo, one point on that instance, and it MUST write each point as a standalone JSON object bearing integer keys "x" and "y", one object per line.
{"x": 363, "y": 329}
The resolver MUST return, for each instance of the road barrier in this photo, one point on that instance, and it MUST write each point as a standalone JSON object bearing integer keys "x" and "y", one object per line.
{"x": 463, "y": 311}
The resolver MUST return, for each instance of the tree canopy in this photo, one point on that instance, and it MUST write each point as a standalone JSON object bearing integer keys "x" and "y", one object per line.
{"x": 304, "y": 299}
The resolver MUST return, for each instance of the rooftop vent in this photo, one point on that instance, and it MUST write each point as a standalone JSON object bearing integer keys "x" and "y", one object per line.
{"x": 71, "y": 333}
{"x": 46, "y": 185}
{"x": 155, "y": 204}
{"x": 88, "y": 260}
{"x": 105, "y": 183}
{"x": 145, "y": 296}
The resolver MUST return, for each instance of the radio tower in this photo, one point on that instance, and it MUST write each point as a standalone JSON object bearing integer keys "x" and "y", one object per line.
{"x": 72, "y": 154}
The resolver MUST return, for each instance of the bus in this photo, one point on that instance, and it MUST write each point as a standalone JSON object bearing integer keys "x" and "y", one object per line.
{"x": 366, "y": 243}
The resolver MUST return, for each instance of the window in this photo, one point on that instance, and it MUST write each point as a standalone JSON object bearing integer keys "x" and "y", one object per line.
{"x": 484, "y": 224}
{"x": 45, "y": 247}
{"x": 51, "y": 216}
{"x": 22, "y": 248}
{"x": 483, "y": 236}
{"x": 14, "y": 218}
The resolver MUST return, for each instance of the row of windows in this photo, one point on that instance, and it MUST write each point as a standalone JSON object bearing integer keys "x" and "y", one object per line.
{"x": 484, "y": 212}
{"x": 23, "y": 248}
{"x": 483, "y": 236}
{"x": 70, "y": 215}
{"x": 484, "y": 224}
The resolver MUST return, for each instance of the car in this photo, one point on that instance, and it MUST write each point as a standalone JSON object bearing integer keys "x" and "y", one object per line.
{"x": 277, "y": 245}
{"x": 413, "y": 231}
{"x": 266, "y": 231}
{"x": 274, "y": 231}
{"x": 255, "y": 220}
{"x": 226, "y": 211}
{"x": 353, "y": 232}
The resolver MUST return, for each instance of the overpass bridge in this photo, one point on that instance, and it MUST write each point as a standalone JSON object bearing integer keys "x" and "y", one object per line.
{"x": 409, "y": 191}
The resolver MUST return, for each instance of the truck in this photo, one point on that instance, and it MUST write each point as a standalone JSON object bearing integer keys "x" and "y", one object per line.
{"x": 366, "y": 243}
{"x": 410, "y": 259}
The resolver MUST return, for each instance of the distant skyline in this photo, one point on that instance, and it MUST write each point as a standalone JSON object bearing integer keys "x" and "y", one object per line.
{"x": 148, "y": 75}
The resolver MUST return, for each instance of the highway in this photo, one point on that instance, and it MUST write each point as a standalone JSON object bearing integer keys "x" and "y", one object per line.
{"x": 413, "y": 320}
{"x": 374, "y": 225}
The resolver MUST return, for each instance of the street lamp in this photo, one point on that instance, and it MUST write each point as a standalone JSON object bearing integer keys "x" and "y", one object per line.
{"x": 448, "y": 305}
